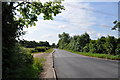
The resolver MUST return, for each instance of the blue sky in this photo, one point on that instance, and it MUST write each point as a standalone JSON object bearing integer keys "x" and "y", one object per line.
{"x": 95, "y": 18}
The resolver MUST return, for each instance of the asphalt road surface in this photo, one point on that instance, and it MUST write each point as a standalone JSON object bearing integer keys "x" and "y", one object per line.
{"x": 70, "y": 65}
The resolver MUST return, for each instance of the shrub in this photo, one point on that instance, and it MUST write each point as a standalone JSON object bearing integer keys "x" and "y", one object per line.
{"x": 41, "y": 49}
{"x": 117, "y": 50}
{"x": 86, "y": 48}
{"x": 38, "y": 63}
{"x": 21, "y": 64}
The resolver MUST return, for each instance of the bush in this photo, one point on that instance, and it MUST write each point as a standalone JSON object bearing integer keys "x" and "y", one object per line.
{"x": 117, "y": 50}
{"x": 22, "y": 65}
{"x": 86, "y": 48}
{"x": 92, "y": 46}
{"x": 38, "y": 64}
{"x": 41, "y": 49}
{"x": 25, "y": 66}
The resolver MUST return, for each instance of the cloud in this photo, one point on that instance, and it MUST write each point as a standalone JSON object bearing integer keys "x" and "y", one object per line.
{"x": 106, "y": 26}
{"x": 47, "y": 36}
{"x": 52, "y": 38}
{"x": 77, "y": 17}
{"x": 62, "y": 26}
{"x": 75, "y": 20}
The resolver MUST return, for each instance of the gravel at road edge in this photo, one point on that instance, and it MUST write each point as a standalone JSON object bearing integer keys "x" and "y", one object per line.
{"x": 49, "y": 71}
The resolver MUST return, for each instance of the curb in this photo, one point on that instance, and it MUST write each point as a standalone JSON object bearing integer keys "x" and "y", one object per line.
{"x": 54, "y": 71}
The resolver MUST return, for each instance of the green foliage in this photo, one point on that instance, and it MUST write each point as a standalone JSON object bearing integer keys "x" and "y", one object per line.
{"x": 100, "y": 45}
{"x": 41, "y": 49}
{"x": 93, "y": 46}
{"x": 75, "y": 43}
{"x": 24, "y": 65}
{"x": 64, "y": 40}
{"x": 49, "y": 50}
{"x": 21, "y": 65}
{"x": 30, "y": 10}
{"x": 117, "y": 50}
{"x": 30, "y": 50}
{"x": 16, "y": 62}
{"x": 110, "y": 45}
{"x": 82, "y": 43}
{"x": 38, "y": 64}
{"x": 86, "y": 48}
{"x": 33, "y": 44}
{"x": 116, "y": 26}
{"x": 53, "y": 45}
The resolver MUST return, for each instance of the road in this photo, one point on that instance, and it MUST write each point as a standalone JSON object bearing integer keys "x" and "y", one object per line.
{"x": 70, "y": 65}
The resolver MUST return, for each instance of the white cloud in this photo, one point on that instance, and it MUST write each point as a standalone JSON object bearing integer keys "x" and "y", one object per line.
{"x": 106, "y": 26}
{"x": 75, "y": 20}
{"x": 62, "y": 26}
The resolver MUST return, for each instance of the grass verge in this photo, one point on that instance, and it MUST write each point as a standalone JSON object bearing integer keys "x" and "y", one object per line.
{"x": 47, "y": 51}
{"x": 38, "y": 64}
{"x": 105, "y": 56}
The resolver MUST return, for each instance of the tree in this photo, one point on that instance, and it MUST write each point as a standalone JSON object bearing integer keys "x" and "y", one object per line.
{"x": 100, "y": 45}
{"x": 53, "y": 45}
{"x": 83, "y": 40}
{"x": 41, "y": 43}
{"x": 77, "y": 42}
{"x": 110, "y": 45}
{"x": 13, "y": 28}
{"x": 116, "y": 27}
{"x": 93, "y": 46}
{"x": 86, "y": 48}
{"x": 117, "y": 50}
{"x": 64, "y": 40}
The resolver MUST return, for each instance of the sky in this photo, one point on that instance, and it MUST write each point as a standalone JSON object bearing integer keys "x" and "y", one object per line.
{"x": 95, "y": 18}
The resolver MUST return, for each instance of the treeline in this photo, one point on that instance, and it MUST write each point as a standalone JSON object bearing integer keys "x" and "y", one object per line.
{"x": 33, "y": 44}
{"x": 83, "y": 43}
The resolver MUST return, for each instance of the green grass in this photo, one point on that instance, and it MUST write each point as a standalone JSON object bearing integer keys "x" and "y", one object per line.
{"x": 29, "y": 49}
{"x": 105, "y": 56}
{"x": 46, "y": 50}
{"x": 28, "y": 66}
{"x": 49, "y": 50}
{"x": 38, "y": 64}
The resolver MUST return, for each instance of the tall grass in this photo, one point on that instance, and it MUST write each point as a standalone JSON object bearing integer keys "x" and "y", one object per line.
{"x": 32, "y": 50}
{"x": 38, "y": 63}
{"x": 30, "y": 67}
